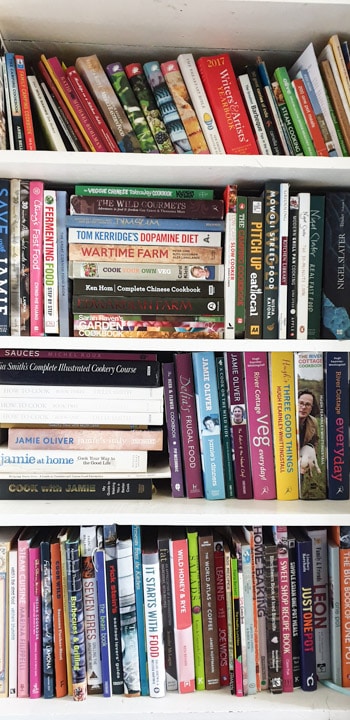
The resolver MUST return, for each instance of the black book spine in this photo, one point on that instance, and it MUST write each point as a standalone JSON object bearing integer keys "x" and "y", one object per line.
{"x": 115, "y": 641}
{"x": 61, "y": 489}
{"x": 79, "y": 372}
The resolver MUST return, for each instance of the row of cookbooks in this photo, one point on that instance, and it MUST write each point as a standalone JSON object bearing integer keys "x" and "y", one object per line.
{"x": 127, "y": 610}
{"x": 124, "y": 261}
{"x": 245, "y": 425}
{"x": 181, "y": 105}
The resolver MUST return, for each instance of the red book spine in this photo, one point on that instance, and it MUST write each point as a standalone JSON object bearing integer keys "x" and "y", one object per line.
{"x": 27, "y": 118}
{"x": 310, "y": 117}
{"x": 227, "y": 104}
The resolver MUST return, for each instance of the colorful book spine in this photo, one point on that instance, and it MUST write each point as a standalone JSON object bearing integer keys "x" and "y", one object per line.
{"x": 241, "y": 262}
{"x": 27, "y": 119}
{"x": 334, "y": 98}
{"x": 153, "y": 207}
{"x": 76, "y": 616}
{"x": 337, "y": 414}
{"x": 249, "y": 533}
{"x": 254, "y": 112}
{"x": 8, "y": 538}
{"x": 274, "y": 661}
{"x": 260, "y": 425}
{"x": 163, "y": 542}
{"x": 50, "y": 263}
{"x": 310, "y": 117}
{"x": 196, "y": 607}
{"x": 254, "y": 267}
{"x": 100, "y": 565}
{"x": 272, "y": 104}
{"x": 227, "y": 443}
{"x": 311, "y": 425}
{"x": 179, "y": 92}
{"x": 24, "y": 258}
{"x": 15, "y": 257}
{"x": 238, "y": 615}
{"x": 287, "y": 122}
{"x": 294, "y": 609}
{"x": 48, "y": 666}
{"x": 59, "y": 640}
{"x": 173, "y": 430}
{"x": 209, "y": 425}
{"x": 4, "y": 257}
{"x": 12, "y": 615}
{"x": 221, "y": 610}
{"x": 180, "y": 576}
{"x": 92, "y": 110}
{"x": 62, "y": 265}
{"x": 258, "y": 552}
{"x": 88, "y": 545}
{"x": 283, "y": 261}
{"x": 282, "y": 393}
{"x": 317, "y": 217}
{"x": 194, "y": 193}
{"x": 235, "y": 384}
{"x": 280, "y": 533}
{"x": 303, "y": 263}
{"x": 344, "y": 561}
{"x": 110, "y": 548}
{"x": 284, "y": 81}
{"x": 321, "y": 599}
{"x": 153, "y": 614}
{"x": 241, "y": 675}
{"x": 15, "y": 102}
{"x": 229, "y": 615}
{"x": 107, "y": 325}
{"x": 306, "y": 617}
{"x": 272, "y": 214}
{"x": 148, "y": 105}
{"x": 188, "y": 427}
{"x": 8, "y": 139}
{"x": 24, "y": 541}
{"x": 292, "y": 295}
{"x": 62, "y": 538}
{"x": 34, "y": 615}
{"x": 209, "y": 609}
{"x": 125, "y": 93}
{"x": 227, "y": 105}
{"x": 128, "y": 615}
{"x": 36, "y": 264}
{"x": 76, "y": 235}
{"x": 167, "y": 107}
{"x": 230, "y": 259}
{"x": 316, "y": 106}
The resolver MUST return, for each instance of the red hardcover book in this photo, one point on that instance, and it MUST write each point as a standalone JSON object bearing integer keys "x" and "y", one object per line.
{"x": 224, "y": 95}
{"x": 27, "y": 118}
{"x": 310, "y": 117}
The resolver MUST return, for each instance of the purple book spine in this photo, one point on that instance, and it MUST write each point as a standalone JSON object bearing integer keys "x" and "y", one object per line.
{"x": 235, "y": 384}
{"x": 173, "y": 430}
{"x": 260, "y": 425}
{"x": 191, "y": 452}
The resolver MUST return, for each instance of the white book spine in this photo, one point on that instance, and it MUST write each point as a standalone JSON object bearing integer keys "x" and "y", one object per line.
{"x": 12, "y": 637}
{"x": 303, "y": 265}
{"x": 283, "y": 260}
{"x": 51, "y": 324}
{"x": 88, "y": 544}
{"x": 249, "y": 618}
{"x": 154, "y": 237}
{"x": 44, "y": 113}
{"x": 186, "y": 273}
{"x": 254, "y": 114}
{"x": 37, "y": 415}
{"x": 91, "y": 392}
{"x": 334, "y": 612}
{"x": 74, "y": 461}
{"x": 154, "y": 624}
{"x": 200, "y": 103}
{"x": 82, "y": 404}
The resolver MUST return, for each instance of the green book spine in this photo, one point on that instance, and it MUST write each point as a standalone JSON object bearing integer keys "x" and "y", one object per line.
{"x": 241, "y": 261}
{"x": 237, "y": 638}
{"x": 282, "y": 77}
{"x": 147, "y": 192}
{"x": 226, "y": 428}
{"x": 196, "y": 604}
{"x": 149, "y": 107}
{"x": 317, "y": 217}
{"x": 271, "y": 260}
{"x": 125, "y": 93}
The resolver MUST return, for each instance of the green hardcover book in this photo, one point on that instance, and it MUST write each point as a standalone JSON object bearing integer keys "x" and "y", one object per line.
{"x": 287, "y": 122}
{"x": 147, "y": 192}
{"x": 126, "y": 95}
{"x": 196, "y": 605}
{"x": 225, "y": 427}
{"x": 271, "y": 260}
{"x": 317, "y": 219}
{"x": 148, "y": 105}
{"x": 282, "y": 77}
{"x": 241, "y": 261}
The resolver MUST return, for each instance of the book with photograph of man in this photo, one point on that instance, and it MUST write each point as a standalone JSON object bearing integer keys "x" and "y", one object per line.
{"x": 311, "y": 425}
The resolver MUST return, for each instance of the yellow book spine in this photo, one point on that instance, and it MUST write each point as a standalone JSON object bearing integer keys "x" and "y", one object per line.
{"x": 283, "y": 408}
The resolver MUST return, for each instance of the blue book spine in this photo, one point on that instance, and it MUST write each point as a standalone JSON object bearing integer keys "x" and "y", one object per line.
{"x": 47, "y": 622}
{"x": 337, "y": 413}
{"x": 4, "y": 258}
{"x": 167, "y": 107}
{"x": 305, "y": 603}
{"x": 62, "y": 264}
{"x": 141, "y": 628}
{"x": 173, "y": 430}
{"x": 123, "y": 222}
{"x": 15, "y": 102}
{"x": 305, "y": 75}
{"x": 209, "y": 424}
{"x": 100, "y": 565}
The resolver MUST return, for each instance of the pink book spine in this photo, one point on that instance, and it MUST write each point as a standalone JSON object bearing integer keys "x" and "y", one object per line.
{"x": 182, "y": 615}
{"x": 34, "y": 622}
{"x": 260, "y": 425}
{"x": 36, "y": 198}
{"x": 281, "y": 539}
{"x": 23, "y": 626}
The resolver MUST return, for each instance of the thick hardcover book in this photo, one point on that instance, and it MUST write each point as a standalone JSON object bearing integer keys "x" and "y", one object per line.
{"x": 24, "y": 210}
{"x": 94, "y": 76}
{"x": 221, "y": 609}
{"x": 24, "y": 541}
{"x": 148, "y": 105}
{"x": 209, "y": 424}
{"x": 292, "y": 295}
{"x": 311, "y": 425}
{"x": 190, "y": 442}
{"x": 194, "y": 193}
{"x": 34, "y": 614}
{"x": 15, "y": 102}
{"x": 167, "y": 107}
{"x": 27, "y": 119}
{"x": 284, "y": 81}
{"x": 50, "y": 263}
{"x": 150, "y": 207}
{"x": 48, "y": 664}
{"x": 259, "y": 425}
{"x": 163, "y": 541}
{"x": 200, "y": 102}
{"x": 282, "y": 398}
{"x": 274, "y": 661}
{"x": 143, "y": 287}
{"x": 80, "y": 372}
{"x": 209, "y": 608}
{"x": 150, "y": 305}
{"x": 114, "y": 631}
{"x": 280, "y": 533}
{"x": 306, "y": 613}
{"x": 254, "y": 267}
{"x": 303, "y": 264}
{"x": 283, "y": 261}
{"x": 88, "y": 545}
{"x": 335, "y": 318}
{"x": 322, "y": 601}
{"x": 127, "y": 610}
{"x": 271, "y": 251}
{"x": 104, "y": 270}
{"x": 173, "y": 430}
{"x": 237, "y": 403}
{"x": 334, "y": 611}
{"x": 230, "y": 259}
{"x": 92, "y": 110}
{"x": 227, "y": 104}
{"x": 310, "y": 117}
{"x": 59, "y": 640}
{"x": 76, "y": 615}
{"x": 125, "y": 93}
{"x": 36, "y": 262}
{"x": 181, "y": 589}
{"x": 153, "y": 608}
{"x": 196, "y": 607}
{"x": 95, "y": 235}
{"x": 258, "y": 552}
{"x": 317, "y": 224}
{"x": 156, "y": 326}
{"x": 103, "y": 624}
{"x": 254, "y": 112}
{"x": 7, "y": 543}
{"x": 4, "y": 258}
{"x": 227, "y": 440}
{"x": 70, "y": 489}
{"x": 185, "y": 108}
{"x": 337, "y": 419}
{"x": 265, "y": 110}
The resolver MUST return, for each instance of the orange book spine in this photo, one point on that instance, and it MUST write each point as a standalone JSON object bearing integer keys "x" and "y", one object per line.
{"x": 310, "y": 117}
{"x": 27, "y": 118}
{"x": 58, "y": 622}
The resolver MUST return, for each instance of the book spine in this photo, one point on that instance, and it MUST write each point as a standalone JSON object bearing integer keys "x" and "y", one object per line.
{"x": 128, "y": 616}
{"x": 148, "y": 399}
{"x": 92, "y": 110}
{"x": 59, "y": 640}
{"x": 76, "y": 620}
{"x": 167, "y": 107}
{"x": 335, "y": 307}
{"x": 125, "y": 93}
{"x": 230, "y": 259}
{"x": 249, "y": 618}
{"x": 272, "y": 619}
{"x": 28, "y": 128}
{"x": 152, "y": 207}
{"x": 62, "y": 536}
{"x": 149, "y": 107}
{"x": 173, "y": 430}
{"x": 221, "y": 611}
{"x": 50, "y": 262}
{"x": 308, "y": 670}
{"x": 272, "y": 104}
{"x": 292, "y": 295}
{"x": 281, "y": 539}
{"x": 291, "y": 134}
{"x": 196, "y": 608}
{"x": 242, "y": 669}
{"x": 179, "y": 92}
{"x": 241, "y": 264}
{"x": 300, "y": 126}
{"x": 216, "y": 72}
{"x": 227, "y": 444}
{"x": 23, "y": 619}
{"x": 254, "y": 267}
{"x": 24, "y": 258}
{"x": 100, "y": 565}
{"x": 190, "y": 74}
{"x": 317, "y": 217}
{"x": 282, "y": 393}
{"x": 15, "y": 257}
{"x": 128, "y": 222}
{"x": 238, "y": 616}
{"x": 209, "y": 610}
{"x": 88, "y": 544}
{"x": 309, "y": 117}
{"x": 327, "y": 137}
{"x": 12, "y": 628}
{"x": 209, "y": 426}
{"x": 344, "y": 561}
{"x": 180, "y": 580}
{"x": 85, "y": 439}
{"x": 334, "y": 612}
{"x": 337, "y": 109}
{"x": 121, "y": 460}
{"x": 303, "y": 264}
{"x": 167, "y": 611}
{"x": 139, "y": 603}
{"x": 15, "y": 102}
{"x": 258, "y": 552}
{"x": 9, "y": 134}
{"x": 265, "y": 111}
{"x": 107, "y": 325}
{"x": 4, "y": 595}
{"x": 260, "y": 425}
{"x": 229, "y": 616}
{"x": 336, "y": 47}
{"x": 188, "y": 427}
{"x": 235, "y": 384}
{"x": 161, "y": 255}
{"x": 337, "y": 412}
{"x": 147, "y": 191}
{"x": 36, "y": 203}
{"x": 5, "y": 257}
{"x": 43, "y": 111}
{"x": 283, "y": 261}
{"x": 153, "y": 622}
{"x": 34, "y": 614}
{"x": 209, "y": 239}
{"x": 271, "y": 249}
{"x": 48, "y": 667}
{"x": 62, "y": 265}
{"x": 113, "y": 609}
{"x": 143, "y": 287}
{"x": 254, "y": 111}
{"x": 321, "y": 600}
{"x": 294, "y": 610}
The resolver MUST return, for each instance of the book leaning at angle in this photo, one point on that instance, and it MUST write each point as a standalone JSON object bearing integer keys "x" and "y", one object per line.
{"x": 179, "y": 92}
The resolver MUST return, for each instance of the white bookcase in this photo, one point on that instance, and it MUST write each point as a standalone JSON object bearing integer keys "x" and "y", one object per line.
{"x": 143, "y": 30}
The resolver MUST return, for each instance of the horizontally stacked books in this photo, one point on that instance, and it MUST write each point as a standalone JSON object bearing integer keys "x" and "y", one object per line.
{"x": 81, "y": 426}
{"x": 182, "y": 105}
